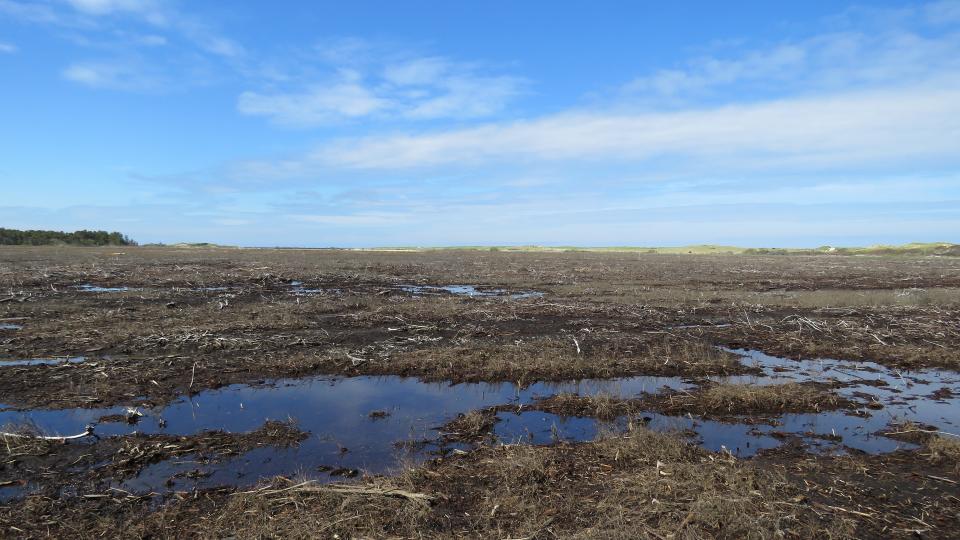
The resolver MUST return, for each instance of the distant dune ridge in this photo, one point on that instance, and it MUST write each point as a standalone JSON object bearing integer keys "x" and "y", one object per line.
{"x": 103, "y": 238}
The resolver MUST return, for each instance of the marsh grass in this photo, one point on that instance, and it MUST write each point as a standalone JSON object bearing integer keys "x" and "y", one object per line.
{"x": 724, "y": 400}
{"x": 558, "y": 359}
{"x": 26, "y": 445}
{"x": 600, "y": 406}
{"x": 470, "y": 427}
{"x": 635, "y": 485}
{"x": 945, "y": 449}
{"x": 747, "y": 398}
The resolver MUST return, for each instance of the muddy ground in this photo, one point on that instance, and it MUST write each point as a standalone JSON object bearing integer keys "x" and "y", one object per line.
{"x": 145, "y": 327}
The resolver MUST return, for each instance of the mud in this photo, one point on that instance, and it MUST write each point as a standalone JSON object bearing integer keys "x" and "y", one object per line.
{"x": 384, "y": 363}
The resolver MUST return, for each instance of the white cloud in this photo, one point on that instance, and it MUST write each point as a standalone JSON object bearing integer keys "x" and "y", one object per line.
{"x": 155, "y": 12}
{"x": 705, "y": 73}
{"x": 114, "y": 75}
{"x": 943, "y": 12}
{"x": 837, "y": 60}
{"x": 206, "y": 38}
{"x": 355, "y": 220}
{"x": 93, "y": 20}
{"x": 366, "y": 82}
{"x": 318, "y": 105}
{"x": 465, "y": 97}
{"x": 417, "y": 72}
{"x": 7, "y": 48}
{"x": 840, "y": 130}
{"x": 93, "y": 75}
{"x": 220, "y": 46}
{"x": 232, "y": 222}
{"x": 104, "y": 7}
{"x": 35, "y": 13}
{"x": 152, "y": 40}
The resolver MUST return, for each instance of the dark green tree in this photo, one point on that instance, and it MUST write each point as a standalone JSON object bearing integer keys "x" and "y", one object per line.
{"x": 15, "y": 237}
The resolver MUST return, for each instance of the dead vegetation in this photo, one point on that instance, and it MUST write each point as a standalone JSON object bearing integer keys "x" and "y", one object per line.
{"x": 600, "y": 406}
{"x": 473, "y": 426}
{"x": 24, "y": 440}
{"x": 642, "y": 485}
{"x": 724, "y": 399}
{"x": 48, "y": 465}
{"x": 192, "y": 320}
{"x": 711, "y": 401}
{"x": 197, "y": 319}
{"x": 939, "y": 448}
{"x": 945, "y": 449}
{"x": 134, "y": 453}
{"x": 553, "y": 359}
{"x": 637, "y": 485}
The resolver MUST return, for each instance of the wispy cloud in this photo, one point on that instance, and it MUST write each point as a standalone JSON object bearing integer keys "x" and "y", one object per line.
{"x": 153, "y": 11}
{"x": 206, "y": 38}
{"x": 114, "y": 75}
{"x": 152, "y": 40}
{"x": 32, "y": 12}
{"x": 162, "y": 14}
{"x": 7, "y": 48}
{"x": 352, "y": 80}
{"x": 838, "y": 130}
{"x": 346, "y": 97}
{"x": 943, "y": 12}
{"x": 706, "y": 73}
{"x": 843, "y": 59}
{"x": 122, "y": 26}
{"x": 828, "y": 133}
{"x": 850, "y": 97}
{"x": 360, "y": 219}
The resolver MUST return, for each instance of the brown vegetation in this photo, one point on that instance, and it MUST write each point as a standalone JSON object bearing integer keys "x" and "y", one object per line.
{"x": 715, "y": 401}
{"x": 202, "y": 318}
{"x": 640, "y": 485}
{"x": 198, "y": 319}
{"x": 94, "y": 463}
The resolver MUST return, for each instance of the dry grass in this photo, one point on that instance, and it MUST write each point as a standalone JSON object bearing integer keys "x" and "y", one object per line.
{"x": 641, "y": 485}
{"x": 945, "y": 450}
{"x": 945, "y": 447}
{"x": 558, "y": 359}
{"x": 470, "y": 427}
{"x": 50, "y": 466}
{"x": 600, "y": 406}
{"x": 780, "y": 398}
{"x": 632, "y": 313}
{"x": 13, "y": 446}
{"x": 716, "y": 401}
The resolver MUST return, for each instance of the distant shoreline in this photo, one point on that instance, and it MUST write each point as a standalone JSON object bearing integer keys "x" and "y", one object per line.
{"x": 929, "y": 248}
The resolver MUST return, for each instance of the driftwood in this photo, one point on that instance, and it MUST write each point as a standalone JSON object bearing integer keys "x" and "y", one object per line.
{"x": 88, "y": 432}
{"x": 312, "y": 486}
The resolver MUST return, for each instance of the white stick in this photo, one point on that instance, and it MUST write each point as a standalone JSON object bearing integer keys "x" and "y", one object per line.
{"x": 87, "y": 433}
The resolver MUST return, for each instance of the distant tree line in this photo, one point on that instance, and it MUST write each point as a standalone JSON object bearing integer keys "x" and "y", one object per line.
{"x": 14, "y": 237}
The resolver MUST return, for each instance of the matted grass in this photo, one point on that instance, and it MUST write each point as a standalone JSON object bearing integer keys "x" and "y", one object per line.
{"x": 640, "y": 485}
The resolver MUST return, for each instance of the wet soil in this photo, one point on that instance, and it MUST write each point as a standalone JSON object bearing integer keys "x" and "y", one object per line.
{"x": 387, "y": 360}
{"x": 635, "y": 486}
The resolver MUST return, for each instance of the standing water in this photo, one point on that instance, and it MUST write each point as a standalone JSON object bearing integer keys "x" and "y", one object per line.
{"x": 344, "y": 435}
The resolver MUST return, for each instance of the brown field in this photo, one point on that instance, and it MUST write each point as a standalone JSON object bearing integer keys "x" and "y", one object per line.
{"x": 184, "y": 323}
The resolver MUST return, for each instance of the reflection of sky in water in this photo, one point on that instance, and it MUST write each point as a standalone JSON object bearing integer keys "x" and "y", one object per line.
{"x": 86, "y": 287}
{"x": 8, "y": 326}
{"x": 535, "y": 427}
{"x": 335, "y": 411}
{"x": 10, "y": 492}
{"x": 42, "y": 361}
{"x": 468, "y": 290}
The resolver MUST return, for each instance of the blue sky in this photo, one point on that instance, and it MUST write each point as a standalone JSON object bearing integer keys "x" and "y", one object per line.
{"x": 367, "y": 123}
